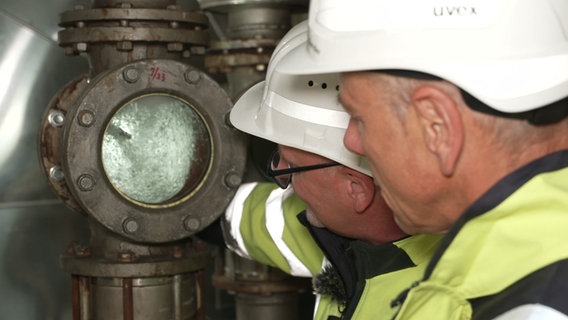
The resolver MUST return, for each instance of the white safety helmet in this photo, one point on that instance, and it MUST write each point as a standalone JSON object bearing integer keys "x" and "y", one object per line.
{"x": 510, "y": 54}
{"x": 299, "y": 111}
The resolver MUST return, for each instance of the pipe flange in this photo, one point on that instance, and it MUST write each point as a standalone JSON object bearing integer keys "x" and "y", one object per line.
{"x": 147, "y": 152}
{"x": 51, "y": 136}
{"x": 125, "y": 26}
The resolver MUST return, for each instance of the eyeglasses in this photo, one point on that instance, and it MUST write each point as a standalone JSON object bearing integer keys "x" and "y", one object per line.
{"x": 283, "y": 177}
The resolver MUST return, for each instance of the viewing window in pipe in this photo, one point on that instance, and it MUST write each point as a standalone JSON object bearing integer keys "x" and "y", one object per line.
{"x": 153, "y": 148}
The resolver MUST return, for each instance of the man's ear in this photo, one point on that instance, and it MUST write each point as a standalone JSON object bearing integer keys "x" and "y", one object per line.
{"x": 441, "y": 125}
{"x": 361, "y": 190}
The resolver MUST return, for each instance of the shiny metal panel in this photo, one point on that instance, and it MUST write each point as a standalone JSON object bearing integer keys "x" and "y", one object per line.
{"x": 41, "y": 16}
{"x": 32, "y": 70}
{"x": 35, "y": 227}
{"x": 32, "y": 284}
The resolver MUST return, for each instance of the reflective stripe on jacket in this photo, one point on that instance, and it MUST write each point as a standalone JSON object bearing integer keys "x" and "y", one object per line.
{"x": 263, "y": 224}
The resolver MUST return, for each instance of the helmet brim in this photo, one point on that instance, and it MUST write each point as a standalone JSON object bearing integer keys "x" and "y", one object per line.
{"x": 285, "y": 128}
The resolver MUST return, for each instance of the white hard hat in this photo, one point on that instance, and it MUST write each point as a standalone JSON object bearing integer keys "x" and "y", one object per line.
{"x": 510, "y": 54}
{"x": 299, "y": 111}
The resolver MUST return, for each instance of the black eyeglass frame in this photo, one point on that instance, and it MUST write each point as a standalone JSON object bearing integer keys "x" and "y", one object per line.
{"x": 275, "y": 173}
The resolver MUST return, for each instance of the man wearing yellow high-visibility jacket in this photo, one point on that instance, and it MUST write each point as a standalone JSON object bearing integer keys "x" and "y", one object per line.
{"x": 461, "y": 109}
{"x": 324, "y": 217}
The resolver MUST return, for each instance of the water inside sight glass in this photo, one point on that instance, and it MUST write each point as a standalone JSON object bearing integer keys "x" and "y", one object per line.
{"x": 150, "y": 145}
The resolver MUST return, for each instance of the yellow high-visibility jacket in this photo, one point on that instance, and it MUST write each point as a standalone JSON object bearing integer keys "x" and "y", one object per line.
{"x": 263, "y": 223}
{"x": 507, "y": 256}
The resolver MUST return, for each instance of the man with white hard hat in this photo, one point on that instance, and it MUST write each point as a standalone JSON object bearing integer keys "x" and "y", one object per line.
{"x": 461, "y": 109}
{"x": 342, "y": 233}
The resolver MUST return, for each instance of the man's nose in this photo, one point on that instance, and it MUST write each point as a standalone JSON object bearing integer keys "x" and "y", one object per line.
{"x": 351, "y": 138}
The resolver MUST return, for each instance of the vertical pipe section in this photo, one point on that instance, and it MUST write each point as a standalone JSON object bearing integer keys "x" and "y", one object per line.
{"x": 127, "y": 299}
{"x": 200, "y": 293}
{"x": 85, "y": 297}
{"x": 75, "y": 297}
{"x": 177, "y": 297}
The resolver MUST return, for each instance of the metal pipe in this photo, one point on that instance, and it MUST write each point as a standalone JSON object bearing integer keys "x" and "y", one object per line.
{"x": 200, "y": 284}
{"x": 85, "y": 294}
{"x": 177, "y": 296}
{"x": 127, "y": 299}
{"x": 76, "y": 297}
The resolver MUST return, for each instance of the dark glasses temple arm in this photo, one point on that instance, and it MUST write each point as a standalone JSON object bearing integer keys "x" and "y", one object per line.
{"x": 274, "y": 173}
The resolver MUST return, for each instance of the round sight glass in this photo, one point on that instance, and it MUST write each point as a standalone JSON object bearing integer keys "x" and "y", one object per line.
{"x": 156, "y": 149}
